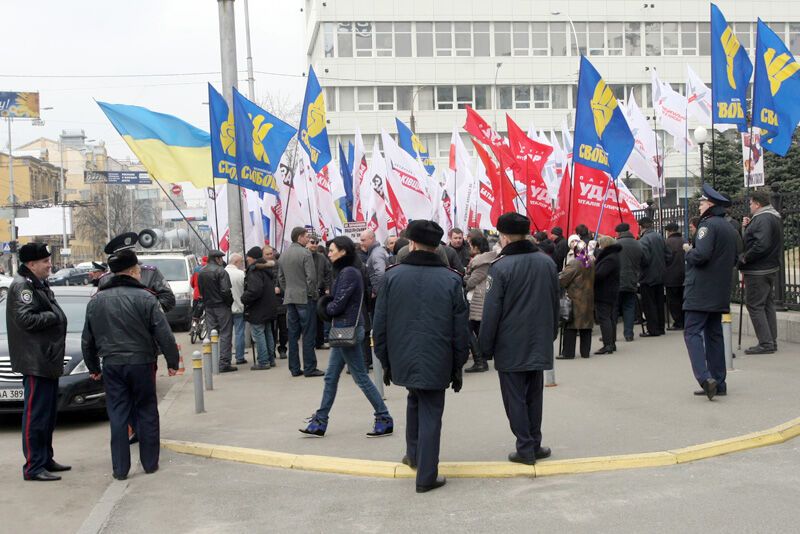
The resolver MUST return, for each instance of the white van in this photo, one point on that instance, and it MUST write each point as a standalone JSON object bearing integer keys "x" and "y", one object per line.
{"x": 177, "y": 268}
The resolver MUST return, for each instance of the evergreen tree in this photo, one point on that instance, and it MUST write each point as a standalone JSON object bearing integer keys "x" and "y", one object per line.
{"x": 785, "y": 170}
{"x": 723, "y": 166}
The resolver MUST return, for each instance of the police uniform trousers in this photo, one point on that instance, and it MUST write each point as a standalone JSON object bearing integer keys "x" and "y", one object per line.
{"x": 131, "y": 395}
{"x": 702, "y": 332}
{"x": 424, "y": 410}
{"x": 522, "y": 399}
{"x": 653, "y": 307}
{"x": 40, "y": 406}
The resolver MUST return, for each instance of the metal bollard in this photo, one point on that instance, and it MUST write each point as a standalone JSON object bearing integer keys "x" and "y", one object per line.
{"x": 197, "y": 372}
{"x": 550, "y": 377}
{"x": 215, "y": 351}
{"x": 207, "y": 365}
{"x": 727, "y": 337}
{"x": 377, "y": 369}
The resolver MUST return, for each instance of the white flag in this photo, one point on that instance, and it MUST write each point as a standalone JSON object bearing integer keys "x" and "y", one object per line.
{"x": 378, "y": 215}
{"x": 699, "y": 97}
{"x": 330, "y": 224}
{"x": 485, "y": 199}
{"x": 405, "y": 184}
{"x": 645, "y": 160}
{"x": 460, "y": 182}
{"x": 566, "y": 140}
{"x": 359, "y": 173}
{"x": 670, "y": 107}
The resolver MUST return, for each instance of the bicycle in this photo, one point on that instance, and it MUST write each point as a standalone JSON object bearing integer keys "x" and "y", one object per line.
{"x": 198, "y": 330}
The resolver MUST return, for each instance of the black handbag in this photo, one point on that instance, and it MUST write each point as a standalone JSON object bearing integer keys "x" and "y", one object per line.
{"x": 565, "y": 308}
{"x": 344, "y": 336}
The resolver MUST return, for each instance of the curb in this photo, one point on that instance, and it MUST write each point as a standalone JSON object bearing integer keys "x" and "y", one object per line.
{"x": 381, "y": 469}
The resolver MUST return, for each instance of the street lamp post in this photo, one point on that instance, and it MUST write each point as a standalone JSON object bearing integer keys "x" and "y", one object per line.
{"x": 496, "y": 95}
{"x": 572, "y": 25}
{"x": 412, "y": 121}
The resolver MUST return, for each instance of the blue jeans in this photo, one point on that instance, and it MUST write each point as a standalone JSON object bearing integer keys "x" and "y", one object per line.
{"x": 238, "y": 336}
{"x": 265, "y": 344}
{"x": 354, "y": 359}
{"x": 302, "y": 320}
{"x": 627, "y": 301}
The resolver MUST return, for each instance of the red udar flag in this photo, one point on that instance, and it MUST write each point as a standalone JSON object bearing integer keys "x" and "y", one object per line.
{"x": 589, "y": 188}
{"x": 502, "y": 191}
{"x": 531, "y": 157}
{"x": 480, "y": 130}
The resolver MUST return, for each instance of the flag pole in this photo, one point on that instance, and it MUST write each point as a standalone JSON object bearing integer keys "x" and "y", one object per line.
{"x": 686, "y": 173}
{"x": 603, "y": 206}
{"x": 181, "y": 212}
{"x": 616, "y": 191}
{"x": 216, "y": 218}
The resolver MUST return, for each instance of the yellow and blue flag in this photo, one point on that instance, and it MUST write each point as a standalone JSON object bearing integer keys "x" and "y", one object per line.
{"x": 223, "y": 137}
{"x": 603, "y": 139}
{"x": 170, "y": 149}
{"x": 776, "y": 91}
{"x": 313, "y": 133}
{"x": 730, "y": 73}
{"x": 409, "y": 142}
{"x": 261, "y": 141}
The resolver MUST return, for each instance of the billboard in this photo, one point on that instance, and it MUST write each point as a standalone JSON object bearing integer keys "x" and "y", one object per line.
{"x": 752, "y": 160}
{"x": 22, "y": 105}
{"x": 117, "y": 177}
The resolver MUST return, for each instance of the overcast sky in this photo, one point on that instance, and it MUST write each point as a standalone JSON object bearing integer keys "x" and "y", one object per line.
{"x": 63, "y": 49}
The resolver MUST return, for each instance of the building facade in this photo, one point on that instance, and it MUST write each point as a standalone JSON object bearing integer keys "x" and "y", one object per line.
{"x": 423, "y": 62}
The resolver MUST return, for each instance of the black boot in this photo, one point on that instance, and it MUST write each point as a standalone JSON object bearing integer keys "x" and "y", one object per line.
{"x": 479, "y": 366}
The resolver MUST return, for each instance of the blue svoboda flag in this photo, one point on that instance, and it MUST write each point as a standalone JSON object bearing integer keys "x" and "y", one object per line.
{"x": 730, "y": 73}
{"x": 603, "y": 139}
{"x": 261, "y": 140}
{"x": 776, "y": 91}
{"x": 223, "y": 137}
{"x": 409, "y": 142}
{"x": 313, "y": 133}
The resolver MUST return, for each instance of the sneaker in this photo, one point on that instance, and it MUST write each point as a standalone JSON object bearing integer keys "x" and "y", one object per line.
{"x": 241, "y": 362}
{"x": 258, "y": 367}
{"x": 273, "y": 364}
{"x": 316, "y": 427}
{"x": 281, "y": 354}
{"x": 384, "y": 425}
{"x": 228, "y": 369}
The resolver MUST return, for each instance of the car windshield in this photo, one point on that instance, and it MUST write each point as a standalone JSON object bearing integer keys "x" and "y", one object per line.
{"x": 74, "y": 307}
{"x": 173, "y": 269}
{"x": 62, "y": 272}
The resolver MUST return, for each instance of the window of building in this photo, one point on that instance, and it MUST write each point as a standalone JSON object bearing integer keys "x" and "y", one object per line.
{"x": 742, "y": 31}
{"x": 580, "y": 30}
{"x": 346, "y": 101}
{"x": 794, "y": 38}
{"x": 366, "y": 99}
{"x": 614, "y": 40}
{"x": 522, "y": 97}
{"x": 464, "y": 96}
{"x": 480, "y": 39}
{"x": 463, "y": 38}
{"x": 505, "y": 99}
{"x": 444, "y": 144}
{"x": 597, "y": 39}
{"x": 670, "y": 34}
{"x": 633, "y": 39}
{"x": 344, "y": 39}
{"x": 383, "y": 39}
{"x": 502, "y": 38}
{"x": 444, "y": 39}
{"x": 560, "y": 96}
{"x": 541, "y": 96}
{"x": 402, "y": 39}
{"x": 558, "y": 38}
{"x": 425, "y": 98}
{"x": 689, "y": 38}
{"x": 704, "y": 38}
{"x": 483, "y": 97}
{"x": 403, "y": 97}
{"x": 363, "y": 39}
{"x": 385, "y": 98}
{"x": 521, "y": 38}
{"x": 330, "y": 98}
{"x": 652, "y": 38}
{"x": 539, "y": 44}
{"x": 424, "y": 39}
{"x": 444, "y": 97}
{"x": 329, "y": 31}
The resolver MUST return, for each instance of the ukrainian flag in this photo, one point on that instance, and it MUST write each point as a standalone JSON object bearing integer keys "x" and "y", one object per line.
{"x": 170, "y": 149}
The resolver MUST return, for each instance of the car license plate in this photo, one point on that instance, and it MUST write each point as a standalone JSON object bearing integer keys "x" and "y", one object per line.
{"x": 12, "y": 394}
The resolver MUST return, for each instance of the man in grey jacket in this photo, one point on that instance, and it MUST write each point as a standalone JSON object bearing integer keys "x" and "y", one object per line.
{"x": 297, "y": 277}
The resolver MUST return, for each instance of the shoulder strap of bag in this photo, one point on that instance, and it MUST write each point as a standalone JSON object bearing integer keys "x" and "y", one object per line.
{"x": 360, "y": 304}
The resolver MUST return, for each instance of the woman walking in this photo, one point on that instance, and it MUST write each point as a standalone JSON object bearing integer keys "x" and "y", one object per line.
{"x": 578, "y": 279}
{"x": 344, "y": 309}
{"x": 476, "y": 281}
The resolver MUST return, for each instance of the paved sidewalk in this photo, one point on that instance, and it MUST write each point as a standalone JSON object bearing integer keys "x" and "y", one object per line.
{"x": 636, "y": 400}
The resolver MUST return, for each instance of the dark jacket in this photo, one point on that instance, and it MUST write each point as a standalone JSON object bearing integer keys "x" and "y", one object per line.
{"x": 707, "y": 287}
{"x": 153, "y": 280}
{"x": 560, "y": 254}
{"x": 763, "y": 243}
{"x": 280, "y": 306}
{"x": 36, "y": 325}
{"x": 322, "y": 266}
{"x": 420, "y": 328}
{"x": 606, "y": 274}
{"x": 215, "y": 286}
{"x": 347, "y": 293}
{"x": 630, "y": 262}
{"x": 655, "y": 255}
{"x": 453, "y": 258}
{"x": 464, "y": 255}
{"x": 125, "y": 325}
{"x": 258, "y": 297}
{"x": 520, "y": 309}
{"x": 676, "y": 270}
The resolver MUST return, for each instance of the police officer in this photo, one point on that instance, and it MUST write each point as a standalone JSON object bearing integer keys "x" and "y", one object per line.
{"x": 124, "y": 328}
{"x": 151, "y": 276}
{"x": 518, "y": 327}
{"x": 421, "y": 333}
{"x": 37, "y": 330}
{"x": 707, "y": 292}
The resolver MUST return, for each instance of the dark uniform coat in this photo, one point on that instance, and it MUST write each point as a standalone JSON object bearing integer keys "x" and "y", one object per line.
{"x": 153, "y": 280}
{"x": 520, "y": 309}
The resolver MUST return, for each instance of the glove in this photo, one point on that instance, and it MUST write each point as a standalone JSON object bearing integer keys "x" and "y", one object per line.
{"x": 387, "y": 376}
{"x": 458, "y": 381}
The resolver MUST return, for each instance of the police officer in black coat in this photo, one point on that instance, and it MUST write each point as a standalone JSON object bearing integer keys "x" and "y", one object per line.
{"x": 421, "y": 333}
{"x": 518, "y": 327}
{"x": 124, "y": 328}
{"x": 707, "y": 292}
{"x": 37, "y": 330}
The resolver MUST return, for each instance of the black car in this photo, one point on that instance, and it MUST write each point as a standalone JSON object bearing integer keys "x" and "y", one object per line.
{"x": 76, "y": 391}
{"x": 69, "y": 277}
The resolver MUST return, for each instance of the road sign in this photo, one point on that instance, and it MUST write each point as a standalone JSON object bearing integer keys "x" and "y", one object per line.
{"x": 177, "y": 190}
{"x": 6, "y": 247}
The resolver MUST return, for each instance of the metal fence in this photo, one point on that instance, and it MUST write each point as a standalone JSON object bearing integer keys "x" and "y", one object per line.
{"x": 787, "y": 293}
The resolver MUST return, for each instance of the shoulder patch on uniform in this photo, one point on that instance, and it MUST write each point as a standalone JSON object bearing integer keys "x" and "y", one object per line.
{"x": 26, "y": 296}
{"x": 392, "y": 266}
{"x": 489, "y": 281}
{"x": 498, "y": 258}
{"x": 702, "y": 232}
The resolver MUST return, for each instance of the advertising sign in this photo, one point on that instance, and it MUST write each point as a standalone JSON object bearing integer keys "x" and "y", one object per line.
{"x": 117, "y": 177}
{"x": 752, "y": 160}
{"x": 21, "y": 105}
